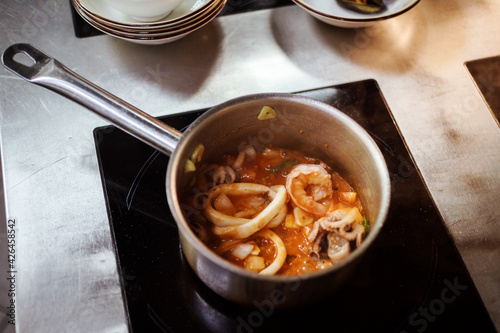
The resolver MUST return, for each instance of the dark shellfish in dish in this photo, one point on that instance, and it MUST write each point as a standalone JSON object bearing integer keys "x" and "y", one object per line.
{"x": 363, "y": 6}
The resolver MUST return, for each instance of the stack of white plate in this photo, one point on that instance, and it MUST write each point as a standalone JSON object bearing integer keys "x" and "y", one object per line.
{"x": 187, "y": 17}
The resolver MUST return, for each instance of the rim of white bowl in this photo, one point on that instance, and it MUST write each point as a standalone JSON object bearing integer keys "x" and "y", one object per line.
{"x": 142, "y": 25}
{"x": 181, "y": 26}
{"x": 361, "y": 19}
{"x": 145, "y": 38}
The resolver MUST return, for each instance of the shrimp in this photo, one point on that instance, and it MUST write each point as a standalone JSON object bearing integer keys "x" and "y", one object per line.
{"x": 306, "y": 185}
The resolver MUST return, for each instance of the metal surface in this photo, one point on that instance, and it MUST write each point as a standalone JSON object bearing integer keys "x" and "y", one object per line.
{"x": 51, "y": 74}
{"x": 227, "y": 126}
{"x": 66, "y": 268}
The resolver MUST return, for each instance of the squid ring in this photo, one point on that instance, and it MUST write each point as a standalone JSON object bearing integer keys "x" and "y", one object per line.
{"x": 280, "y": 256}
{"x": 258, "y": 222}
{"x": 224, "y": 220}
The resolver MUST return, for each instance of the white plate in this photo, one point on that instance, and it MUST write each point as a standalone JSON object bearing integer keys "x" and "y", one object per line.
{"x": 331, "y": 12}
{"x": 186, "y": 10}
{"x": 158, "y": 31}
{"x": 154, "y": 40}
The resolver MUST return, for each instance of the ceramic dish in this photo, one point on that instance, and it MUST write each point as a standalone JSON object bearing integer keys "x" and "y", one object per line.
{"x": 331, "y": 12}
{"x": 99, "y": 9}
{"x": 145, "y": 10}
{"x": 159, "y": 38}
{"x": 157, "y": 34}
{"x": 152, "y": 32}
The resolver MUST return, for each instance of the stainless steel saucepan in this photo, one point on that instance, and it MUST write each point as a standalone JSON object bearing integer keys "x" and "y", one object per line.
{"x": 301, "y": 123}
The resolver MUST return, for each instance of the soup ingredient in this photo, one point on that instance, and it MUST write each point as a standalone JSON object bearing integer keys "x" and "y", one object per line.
{"x": 366, "y": 224}
{"x": 223, "y": 175}
{"x": 198, "y": 153}
{"x": 241, "y": 251}
{"x": 255, "y": 263}
{"x": 284, "y": 166}
{"x": 196, "y": 156}
{"x": 280, "y": 256}
{"x": 363, "y": 6}
{"x": 338, "y": 247}
{"x": 307, "y": 184}
{"x": 301, "y": 218}
{"x": 266, "y": 112}
{"x": 189, "y": 166}
{"x": 349, "y": 197}
{"x": 237, "y": 227}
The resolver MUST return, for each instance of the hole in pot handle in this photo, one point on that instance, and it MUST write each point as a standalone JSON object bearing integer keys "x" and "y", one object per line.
{"x": 51, "y": 74}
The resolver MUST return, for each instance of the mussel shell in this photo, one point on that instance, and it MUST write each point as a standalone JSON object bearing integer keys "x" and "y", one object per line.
{"x": 371, "y": 6}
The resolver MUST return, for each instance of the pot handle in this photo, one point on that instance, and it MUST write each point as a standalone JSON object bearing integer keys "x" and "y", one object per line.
{"x": 51, "y": 74}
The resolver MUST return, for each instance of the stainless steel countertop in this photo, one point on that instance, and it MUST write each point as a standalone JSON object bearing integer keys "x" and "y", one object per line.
{"x": 66, "y": 272}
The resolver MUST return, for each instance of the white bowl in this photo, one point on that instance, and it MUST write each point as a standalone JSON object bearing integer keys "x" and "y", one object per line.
{"x": 152, "y": 31}
{"x": 158, "y": 36}
{"x": 145, "y": 10}
{"x": 331, "y": 12}
{"x": 186, "y": 10}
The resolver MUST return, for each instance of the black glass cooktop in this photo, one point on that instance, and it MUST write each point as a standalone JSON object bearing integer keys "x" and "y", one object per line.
{"x": 412, "y": 279}
{"x": 486, "y": 75}
{"x": 83, "y": 29}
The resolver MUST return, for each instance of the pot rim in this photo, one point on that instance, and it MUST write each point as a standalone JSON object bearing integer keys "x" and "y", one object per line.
{"x": 368, "y": 142}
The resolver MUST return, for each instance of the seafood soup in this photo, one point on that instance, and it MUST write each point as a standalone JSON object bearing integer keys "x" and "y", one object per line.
{"x": 275, "y": 212}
